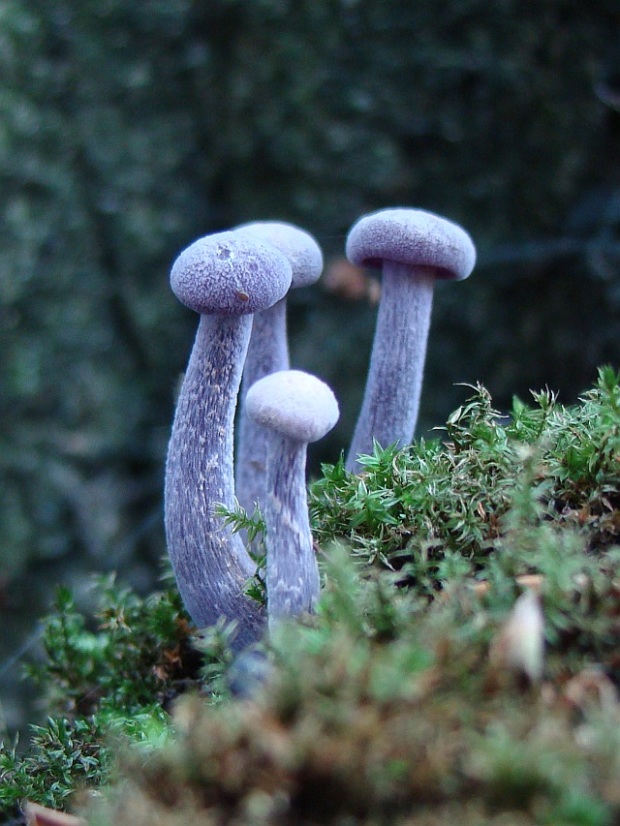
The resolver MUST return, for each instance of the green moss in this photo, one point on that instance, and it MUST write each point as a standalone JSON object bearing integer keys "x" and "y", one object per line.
{"x": 416, "y": 506}
{"x": 369, "y": 718}
{"x": 61, "y": 755}
{"x": 103, "y": 677}
{"x": 388, "y": 705}
{"x": 137, "y": 649}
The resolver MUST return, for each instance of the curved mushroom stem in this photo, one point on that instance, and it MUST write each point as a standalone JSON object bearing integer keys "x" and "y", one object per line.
{"x": 210, "y": 562}
{"x": 267, "y": 353}
{"x": 392, "y": 396}
{"x": 292, "y": 571}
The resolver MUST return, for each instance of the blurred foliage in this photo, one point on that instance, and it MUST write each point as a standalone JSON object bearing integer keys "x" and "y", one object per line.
{"x": 127, "y": 130}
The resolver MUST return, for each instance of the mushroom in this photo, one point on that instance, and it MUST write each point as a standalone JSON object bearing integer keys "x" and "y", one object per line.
{"x": 414, "y": 248}
{"x": 225, "y": 277}
{"x": 268, "y": 351}
{"x": 295, "y": 409}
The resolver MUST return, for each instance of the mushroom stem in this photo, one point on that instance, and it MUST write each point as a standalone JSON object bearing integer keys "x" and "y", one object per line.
{"x": 210, "y": 562}
{"x": 292, "y": 573}
{"x": 267, "y": 353}
{"x": 295, "y": 409}
{"x": 392, "y": 396}
{"x": 268, "y": 350}
{"x": 421, "y": 246}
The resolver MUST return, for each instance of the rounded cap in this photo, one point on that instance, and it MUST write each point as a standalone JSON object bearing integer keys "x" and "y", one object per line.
{"x": 302, "y": 251}
{"x": 293, "y": 403}
{"x": 413, "y": 237}
{"x": 229, "y": 273}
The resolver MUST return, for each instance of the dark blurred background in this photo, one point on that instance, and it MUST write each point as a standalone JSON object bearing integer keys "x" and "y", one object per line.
{"x": 129, "y": 129}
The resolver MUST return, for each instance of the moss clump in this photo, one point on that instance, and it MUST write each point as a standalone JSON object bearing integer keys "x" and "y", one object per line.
{"x": 137, "y": 651}
{"x": 389, "y": 705}
{"x": 384, "y": 710}
{"x": 103, "y": 677}
{"x": 419, "y": 506}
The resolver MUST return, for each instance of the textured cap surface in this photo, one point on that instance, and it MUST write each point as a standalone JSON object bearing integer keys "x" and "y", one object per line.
{"x": 293, "y": 403}
{"x": 229, "y": 273}
{"x": 413, "y": 237}
{"x": 302, "y": 251}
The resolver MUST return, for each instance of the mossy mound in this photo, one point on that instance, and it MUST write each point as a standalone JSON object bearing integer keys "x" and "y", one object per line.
{"x": 383, "y": 710}
{"x": 413, "y": 696}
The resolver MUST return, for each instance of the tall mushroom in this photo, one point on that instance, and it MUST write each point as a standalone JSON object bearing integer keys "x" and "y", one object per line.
{"x": 413, "y": 248}
{"x": 268, "y": 351}
{"x": 225, "y": 277}
{"x": 295, "y": 409}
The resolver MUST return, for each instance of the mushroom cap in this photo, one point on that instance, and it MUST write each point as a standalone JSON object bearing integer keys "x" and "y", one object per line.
{"x": 293, "y": 403}
{"x": 413, "y": 237}
{"x": 228, "y": 273}
{"x": 296, "y": 244}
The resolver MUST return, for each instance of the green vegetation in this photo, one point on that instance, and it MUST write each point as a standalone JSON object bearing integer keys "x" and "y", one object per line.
{"x": 392, "y": 704}
{"x": 420, "y": 506}
{"x": 116, "y": 678}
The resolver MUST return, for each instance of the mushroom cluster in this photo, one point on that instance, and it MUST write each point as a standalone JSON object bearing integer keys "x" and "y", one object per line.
{"x": 237, "y": 281}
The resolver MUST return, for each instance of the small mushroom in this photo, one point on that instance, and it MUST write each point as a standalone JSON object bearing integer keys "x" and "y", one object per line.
{"x": 268, "y": 351}
{"x": 225, "y": 277}
{"x": 413, "y": 248}
{"x": 295, "y": 409}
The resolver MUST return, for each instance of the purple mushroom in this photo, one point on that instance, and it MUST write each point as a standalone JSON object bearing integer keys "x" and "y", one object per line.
{"x": 268, "y": 351}
{"x": 225, "y": 277}
{"x": 414, "y": 248}
{"x": 295, "y": 408}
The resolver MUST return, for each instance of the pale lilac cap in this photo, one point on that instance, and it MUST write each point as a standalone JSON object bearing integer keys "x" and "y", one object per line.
{"x": 293, "y": 403}
{"x": 413, "y": 237}
{"x": 229, "y": 273}
{"x": 302, "y": 251}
